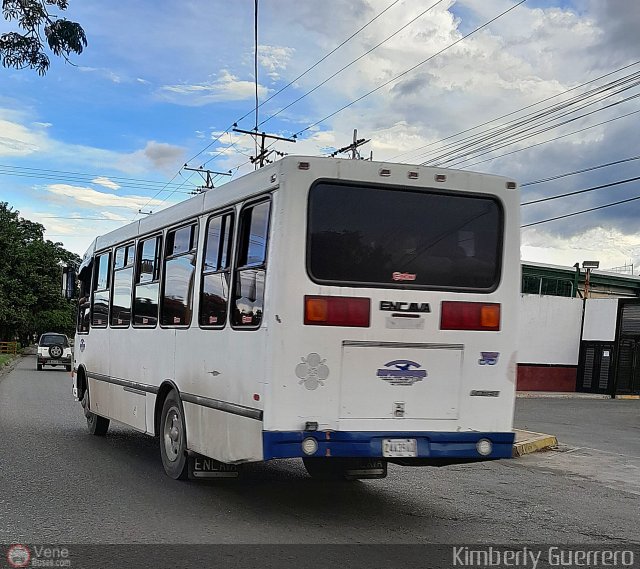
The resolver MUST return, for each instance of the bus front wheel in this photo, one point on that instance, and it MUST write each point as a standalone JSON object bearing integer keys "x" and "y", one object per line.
{"x": 96, "y": 425}
{"x": 173, "y": 438}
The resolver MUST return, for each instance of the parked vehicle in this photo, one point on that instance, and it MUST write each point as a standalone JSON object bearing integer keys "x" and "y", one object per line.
{"x": 54, "y": 350}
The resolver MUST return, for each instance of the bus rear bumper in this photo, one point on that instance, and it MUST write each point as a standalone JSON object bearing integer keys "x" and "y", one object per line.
{"x": 431, "y": 448}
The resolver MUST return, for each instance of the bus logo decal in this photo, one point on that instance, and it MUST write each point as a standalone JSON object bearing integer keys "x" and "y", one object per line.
{"x": 400, "y": 372}
{"x": 392, "y": 306}
{"x": 488, "y": 358}
{"x": 397, "y": 276}
{"x": 312, "y": 371}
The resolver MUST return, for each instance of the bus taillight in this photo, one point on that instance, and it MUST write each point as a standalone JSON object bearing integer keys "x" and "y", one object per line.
{"x": 469, "y": 316}
{"x": 337, "y": 311}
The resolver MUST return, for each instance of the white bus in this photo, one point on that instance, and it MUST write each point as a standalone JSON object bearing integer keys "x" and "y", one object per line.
{"x": 350, "y": 313}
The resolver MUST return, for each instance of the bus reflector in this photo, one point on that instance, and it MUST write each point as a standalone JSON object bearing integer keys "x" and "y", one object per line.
{"x": 469, "y": 316}
{"x": 337, "y": 311}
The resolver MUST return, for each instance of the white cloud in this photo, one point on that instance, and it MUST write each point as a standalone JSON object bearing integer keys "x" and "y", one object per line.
{"x": 106, "y": 182}
{"x": 90, "y": 197}
{"x": 226, "y": 87}
{"x": 18, "y": 140}
{"x": 274, "y": 59}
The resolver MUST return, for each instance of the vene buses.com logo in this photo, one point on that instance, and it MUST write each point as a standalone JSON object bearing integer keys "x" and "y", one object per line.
{"x": 18, "y": 555}
{"x": 401, "y": 372}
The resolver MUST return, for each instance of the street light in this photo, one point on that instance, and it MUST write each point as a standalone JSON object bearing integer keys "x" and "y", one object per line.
{"x": 588, "y": 265}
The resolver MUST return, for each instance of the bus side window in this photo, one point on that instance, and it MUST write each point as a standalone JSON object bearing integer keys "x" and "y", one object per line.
{"x": 178, "y": 277}
{"x": 122, "y": 283}
{"x": 147, "y": 288}
{"x": 100, "y": 305}
{"x": 216, "y": 271}
{"x": 248, "y": 298}
{"x": 84, "y": 301}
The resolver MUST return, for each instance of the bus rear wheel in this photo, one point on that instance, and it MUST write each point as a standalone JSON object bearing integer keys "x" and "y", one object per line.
{"x": 173, "y": 438}
{"x": 96, "y": 425}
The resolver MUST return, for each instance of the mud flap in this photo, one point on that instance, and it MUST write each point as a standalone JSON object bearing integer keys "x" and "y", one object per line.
{"x": 366, "y": 469}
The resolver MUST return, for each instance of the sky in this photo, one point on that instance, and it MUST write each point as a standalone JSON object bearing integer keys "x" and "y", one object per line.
{"x": 531, "y": 90}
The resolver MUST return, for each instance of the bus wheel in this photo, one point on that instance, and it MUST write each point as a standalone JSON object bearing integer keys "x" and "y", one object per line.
{"x": 96, "y": 425}
{"x": 173, "y": 439}
{"x": 39, "y": 367}
{"x": 325, "y": 468}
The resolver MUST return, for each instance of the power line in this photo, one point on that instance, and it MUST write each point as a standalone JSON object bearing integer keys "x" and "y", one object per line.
{"x": 552, "y": 139}
{"x": 619, "y": 182}
{"x": 543, "y": 180}
{"x": 24, "y": 171}
{"x": 527, "y": 133}
{"x": 322, "y": 58}
{"x": 516, "y": 111}
{"x": 349, "y": 64}
{"x": 287, "y": 86}
{"x": 501, "y": 133}
{"x": 410, "y": 69}
{"x": 579, "y": 212}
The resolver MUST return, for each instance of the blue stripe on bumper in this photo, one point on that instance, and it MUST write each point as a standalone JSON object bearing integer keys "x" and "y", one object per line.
{"x": 431, "y": 444}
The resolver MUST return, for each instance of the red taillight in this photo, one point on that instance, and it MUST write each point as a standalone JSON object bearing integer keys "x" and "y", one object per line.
{"x": 337, "y": 311}
{"x": 470, "y": 316}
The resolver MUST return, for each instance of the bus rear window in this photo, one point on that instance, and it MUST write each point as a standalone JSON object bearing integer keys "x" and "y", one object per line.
{"x": 399, "y": 237}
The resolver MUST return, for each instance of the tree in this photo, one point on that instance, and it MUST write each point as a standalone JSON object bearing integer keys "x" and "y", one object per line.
{"x": 27, "y": 49}
{"x": 31, "y": 300}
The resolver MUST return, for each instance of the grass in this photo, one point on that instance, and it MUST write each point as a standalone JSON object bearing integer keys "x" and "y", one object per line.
{"x": 5, "y": 359}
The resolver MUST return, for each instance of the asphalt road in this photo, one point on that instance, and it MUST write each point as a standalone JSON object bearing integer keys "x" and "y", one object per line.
{"x": 60, "y": 485}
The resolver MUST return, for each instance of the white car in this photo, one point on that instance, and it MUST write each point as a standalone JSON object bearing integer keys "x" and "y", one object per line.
{"x": 54, "y": 350}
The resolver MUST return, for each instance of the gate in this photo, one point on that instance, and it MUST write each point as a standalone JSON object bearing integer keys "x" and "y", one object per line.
{"x": 595, "y": 369}
{"x": 627, "y": 373}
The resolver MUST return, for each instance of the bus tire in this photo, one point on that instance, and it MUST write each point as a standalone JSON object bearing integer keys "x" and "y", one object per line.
{"x": 96, "y": 425}
{"x": 173, "y": 438}
{"x": 325, "y": 468}
{"x": 39, "y": 367}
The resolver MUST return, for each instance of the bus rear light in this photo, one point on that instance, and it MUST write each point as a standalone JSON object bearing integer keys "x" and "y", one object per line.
{"x": 337, "y": 311}
{"x": 470, "y": 316}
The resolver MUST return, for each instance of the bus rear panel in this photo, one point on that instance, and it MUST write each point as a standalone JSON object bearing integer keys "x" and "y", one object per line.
{"x": 394, "y": 316}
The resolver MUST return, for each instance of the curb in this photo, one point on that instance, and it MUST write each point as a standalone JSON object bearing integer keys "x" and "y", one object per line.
{"x": 626, "y": 397}
{"x": 532, "y": 442}
{"x": 560, "y": 395}
{"x": 9, "y": 367}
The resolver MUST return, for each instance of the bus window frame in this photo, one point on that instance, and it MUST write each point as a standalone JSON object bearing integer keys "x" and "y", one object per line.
{"x": 404, "y": 285}
{"x": 233, "y": 213}
{"x": 114, "y": 270}
{"x": 136, "y": 275}
{"x": 264, "y": 198}
{"x": 194, "y": 250}
{"x": 94, "y": 284}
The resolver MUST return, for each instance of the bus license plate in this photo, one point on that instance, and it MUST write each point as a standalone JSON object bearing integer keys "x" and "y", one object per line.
{"x": 201, "y": 467}
{"x": 399, "y": 447}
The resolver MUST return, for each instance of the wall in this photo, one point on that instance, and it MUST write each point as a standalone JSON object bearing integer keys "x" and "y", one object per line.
{"x": 548, "y": 342}
{"x": 600, "y": 320}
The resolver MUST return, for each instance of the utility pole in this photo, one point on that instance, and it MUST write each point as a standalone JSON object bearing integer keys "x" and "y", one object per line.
{"x": 206, "y": 176}
{"x": 353, "y": 147}
{"x": 264, "y": 154}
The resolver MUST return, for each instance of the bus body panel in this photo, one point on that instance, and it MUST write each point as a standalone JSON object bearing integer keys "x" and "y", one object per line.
{"x": 256, "y": 394}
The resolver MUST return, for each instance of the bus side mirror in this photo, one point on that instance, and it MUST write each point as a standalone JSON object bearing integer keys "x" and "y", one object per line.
{"x": 69, "y": 282}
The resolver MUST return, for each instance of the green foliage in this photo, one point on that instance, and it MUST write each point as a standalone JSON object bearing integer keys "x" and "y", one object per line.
{"x": 26, "y": 49}
{"x": 31, "y": 300}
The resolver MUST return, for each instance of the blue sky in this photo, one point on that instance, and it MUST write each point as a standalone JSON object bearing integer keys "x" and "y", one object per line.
{"x": 88, "y": 145}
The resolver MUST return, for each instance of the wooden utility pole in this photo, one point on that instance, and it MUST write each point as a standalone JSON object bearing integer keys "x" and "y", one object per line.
{"x": 206, "y": 176}
{"x": 353, "y": 146}
{"x": 264, "y": 154}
